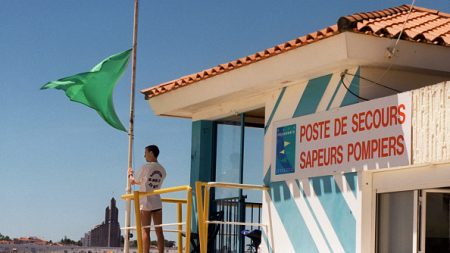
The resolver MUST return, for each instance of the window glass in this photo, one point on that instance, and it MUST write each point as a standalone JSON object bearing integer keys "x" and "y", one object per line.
{"x": 395, "y": 222}
{"x": 437, "y": 222}
{"x": 253, "y": 162}
{"x": 228, "y": 158}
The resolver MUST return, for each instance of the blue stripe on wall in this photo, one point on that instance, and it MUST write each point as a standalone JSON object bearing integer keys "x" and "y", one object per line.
{"x": 337, "y": 210}
{"x": 352, "y": 177}
{"x": 290, "y": 216}
{"x": 286, "y": 207}
{"x": 314, "y": 216}
{"x": 349, "y": 98}
{"x": 326, "y": 189}
{"x": 334, "y": 95}
{"x": 277, "y": 103}
{"x": 329, "y": 195}
{"x": 312, "y": 95}
{"x": 266, "y": 240}
{"x": 352, "y": 181}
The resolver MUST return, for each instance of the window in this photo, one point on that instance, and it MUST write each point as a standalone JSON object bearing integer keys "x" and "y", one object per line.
{"x": 228, "y": 158}
{"x": 395, "y": 222}
{"x": 236, "y": 145}
{"x": 413, "y": 221}
{"x": 435, "y": 231}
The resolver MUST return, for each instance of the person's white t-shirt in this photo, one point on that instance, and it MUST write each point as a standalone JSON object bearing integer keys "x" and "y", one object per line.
{"x": 151, "y": 176}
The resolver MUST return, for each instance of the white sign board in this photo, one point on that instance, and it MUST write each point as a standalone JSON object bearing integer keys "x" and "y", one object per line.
{"x": 369, "y": 135}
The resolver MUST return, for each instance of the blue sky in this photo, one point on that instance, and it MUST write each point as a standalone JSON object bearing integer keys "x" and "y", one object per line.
{"x": 60, "y": 163}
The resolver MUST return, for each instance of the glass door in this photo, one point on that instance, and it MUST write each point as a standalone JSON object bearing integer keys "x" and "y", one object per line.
{"x": 396, "y": 222}
{"x": 435, "y": 222}
{"x": 228, "y": 158}
{"x": 239, "y": 159}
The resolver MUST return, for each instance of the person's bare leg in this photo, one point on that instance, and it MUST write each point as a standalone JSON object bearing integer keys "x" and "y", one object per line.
{"x": 145, "y": 221}
{"x": 157, "y": 220}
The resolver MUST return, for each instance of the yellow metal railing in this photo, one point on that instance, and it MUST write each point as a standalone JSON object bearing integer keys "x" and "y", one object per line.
{"x": 202, "y": 192}
{"x": 136, "y": 195}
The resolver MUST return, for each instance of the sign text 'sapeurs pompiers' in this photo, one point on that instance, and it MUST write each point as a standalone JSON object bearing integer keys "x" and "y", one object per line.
{"x": 369, "y": 135}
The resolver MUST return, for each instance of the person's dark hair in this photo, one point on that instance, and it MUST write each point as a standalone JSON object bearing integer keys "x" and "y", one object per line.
{"x": 154, "y": 149}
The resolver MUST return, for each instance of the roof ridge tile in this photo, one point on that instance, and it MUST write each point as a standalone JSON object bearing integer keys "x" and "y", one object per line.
{"x": 349, "y": 22}
{"x": 425, "y": 9}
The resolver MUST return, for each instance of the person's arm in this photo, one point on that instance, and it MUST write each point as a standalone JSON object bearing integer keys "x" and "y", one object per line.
{"x": 131, "y": 177}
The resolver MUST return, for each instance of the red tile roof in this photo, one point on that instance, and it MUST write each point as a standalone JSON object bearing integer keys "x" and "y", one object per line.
{"x": 423, "y": 25}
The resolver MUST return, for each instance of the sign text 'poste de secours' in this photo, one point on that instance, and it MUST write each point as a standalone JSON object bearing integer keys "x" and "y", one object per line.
{"x": 368, "y": 135}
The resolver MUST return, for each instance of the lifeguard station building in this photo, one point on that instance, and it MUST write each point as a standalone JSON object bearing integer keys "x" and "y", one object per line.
{"x": 354, "y": 124}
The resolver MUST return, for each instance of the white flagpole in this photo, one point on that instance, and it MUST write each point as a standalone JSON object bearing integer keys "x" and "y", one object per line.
{"x": 126, "y": 245}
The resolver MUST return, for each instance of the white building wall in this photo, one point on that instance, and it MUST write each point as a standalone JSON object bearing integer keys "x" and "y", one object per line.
{"x": 431, "y": 123}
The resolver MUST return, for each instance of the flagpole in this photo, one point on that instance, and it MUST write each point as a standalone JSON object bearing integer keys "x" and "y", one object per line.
{"x": 126, "y": 245}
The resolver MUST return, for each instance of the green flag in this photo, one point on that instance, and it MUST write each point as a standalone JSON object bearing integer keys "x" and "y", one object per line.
{"x": 95, "y": 88}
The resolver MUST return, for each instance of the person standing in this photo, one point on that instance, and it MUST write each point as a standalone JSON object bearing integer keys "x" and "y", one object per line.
{"x": 150, "y": 178}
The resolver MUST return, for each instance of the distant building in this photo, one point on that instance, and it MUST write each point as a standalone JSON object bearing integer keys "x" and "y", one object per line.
{"x": 106, "y": 234}
{"x": 30, "y": 240}
{"x": 86, "y": 240}
{"x": 34, "y": 248}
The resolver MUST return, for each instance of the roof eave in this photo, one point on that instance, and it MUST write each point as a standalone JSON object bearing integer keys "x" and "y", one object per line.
{"x": 302, "y": 63}
{"x": 243, "y": 89}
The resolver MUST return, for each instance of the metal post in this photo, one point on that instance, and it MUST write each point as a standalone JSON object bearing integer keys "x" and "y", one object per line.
{"x": 126, "y": 245}
{"x": 180, "y": 227}
{"x": 188, "y": 221}
{"x": 204, "y": 237}
{"x": 241, "y": 160}
{"x": 138, "y": 221}
{"x": 241, "y": 204}
{"x": 200, "y": 204}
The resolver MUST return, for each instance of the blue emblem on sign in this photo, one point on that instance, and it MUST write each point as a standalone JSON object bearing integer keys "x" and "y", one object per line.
{"x": 285, "y": 151}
